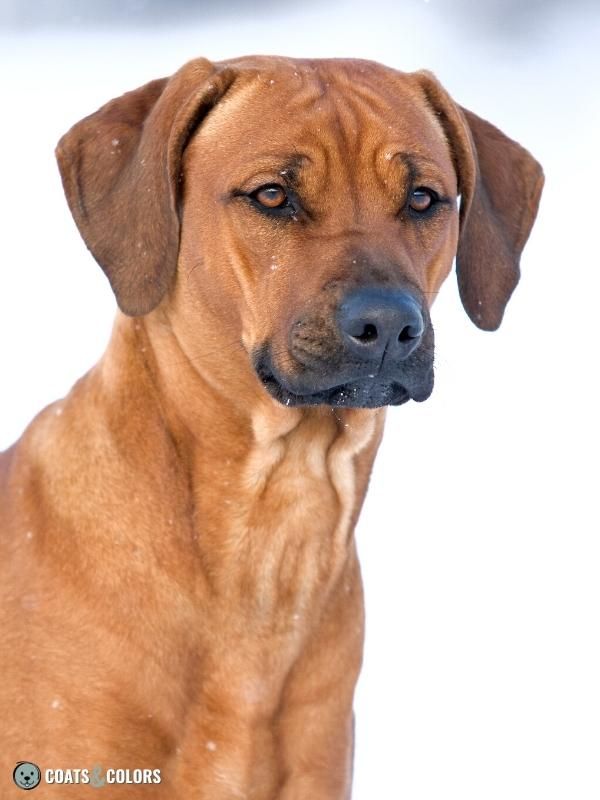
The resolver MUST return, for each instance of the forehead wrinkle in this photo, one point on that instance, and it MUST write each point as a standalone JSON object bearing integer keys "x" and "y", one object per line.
{"x": 342, "y": 136}
{"x": 361, "y": 122}
{"x": 372, "y": 100}
{"x": 336, "y": 167}
{"x": 385, "y": 102}
{"x": 393, "y": 181}
{"x": 323, "y": 98}
{"x": 344, "y": 144}
{"x": 313, "y": 89}
{"x": 341, "y": 145}
{"x": 318, "y": 169}
{"x": 349, "y": 131}
{"x": 348, "y": 120}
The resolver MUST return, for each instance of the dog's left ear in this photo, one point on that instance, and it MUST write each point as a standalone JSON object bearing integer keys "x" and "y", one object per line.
{"x": 500, "y": 185}
{"x": 121, "y": 172}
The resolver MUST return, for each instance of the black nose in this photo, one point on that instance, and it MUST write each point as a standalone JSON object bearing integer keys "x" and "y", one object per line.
{"x": 377, "y": 321}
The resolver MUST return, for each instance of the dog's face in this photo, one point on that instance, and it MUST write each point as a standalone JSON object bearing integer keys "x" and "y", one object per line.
{"x": 340, "y": 218}
{"x": 312, "y": 210}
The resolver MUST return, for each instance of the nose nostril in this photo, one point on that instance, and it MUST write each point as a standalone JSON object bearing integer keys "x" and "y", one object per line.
{"x": 409, "y": 333}
{"x": 369, "y": 334}
{"x": 380, "y": 323}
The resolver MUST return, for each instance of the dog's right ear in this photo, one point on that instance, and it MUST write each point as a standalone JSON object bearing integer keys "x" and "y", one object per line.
{"x": 120, "y": 169}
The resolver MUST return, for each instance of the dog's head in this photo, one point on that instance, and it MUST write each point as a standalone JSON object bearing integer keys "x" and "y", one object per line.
{"x": 308, "y": 210}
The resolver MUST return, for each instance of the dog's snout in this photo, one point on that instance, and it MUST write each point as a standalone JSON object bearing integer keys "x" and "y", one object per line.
{"x": 377, "y": 321}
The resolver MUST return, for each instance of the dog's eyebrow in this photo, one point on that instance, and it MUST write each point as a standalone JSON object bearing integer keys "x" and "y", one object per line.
{"x": 291, "y": 169}
{"x": 415, "y": 164}
{"x": 411, "y": 165}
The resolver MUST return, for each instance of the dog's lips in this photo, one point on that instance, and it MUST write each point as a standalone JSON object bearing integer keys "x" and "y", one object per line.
{"x": 363, "y": 393}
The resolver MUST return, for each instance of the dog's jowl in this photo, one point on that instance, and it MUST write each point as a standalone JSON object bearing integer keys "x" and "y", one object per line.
{"x": 180, "y": 592}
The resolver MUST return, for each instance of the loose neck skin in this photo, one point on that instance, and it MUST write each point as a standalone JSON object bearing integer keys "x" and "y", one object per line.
{"x": 272, "y": 499}
{"x": 262, "y": 477}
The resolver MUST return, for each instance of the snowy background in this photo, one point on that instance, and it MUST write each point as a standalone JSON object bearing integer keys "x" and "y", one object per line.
{"x": 480, "y": 535}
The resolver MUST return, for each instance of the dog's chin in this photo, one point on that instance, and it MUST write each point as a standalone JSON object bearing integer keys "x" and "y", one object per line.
{"x": 363, "y": 393}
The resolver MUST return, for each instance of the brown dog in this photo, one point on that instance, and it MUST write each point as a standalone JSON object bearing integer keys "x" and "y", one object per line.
{"x": 180, "y": 588}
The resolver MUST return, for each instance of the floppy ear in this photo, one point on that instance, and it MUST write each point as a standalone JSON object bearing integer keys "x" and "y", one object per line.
{"x": 500, "y": 184}
{"x": 120, "y": 169}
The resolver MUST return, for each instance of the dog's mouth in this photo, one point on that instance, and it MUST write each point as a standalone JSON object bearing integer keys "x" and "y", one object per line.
{"x": 364, "y": 392}
{"x": 360, "y": 394}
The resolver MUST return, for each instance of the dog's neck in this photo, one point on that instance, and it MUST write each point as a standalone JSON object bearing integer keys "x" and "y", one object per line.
{"x": 247, "y": 461}
{"x": 233, "y": 523}
{"x": 257, "y": 506}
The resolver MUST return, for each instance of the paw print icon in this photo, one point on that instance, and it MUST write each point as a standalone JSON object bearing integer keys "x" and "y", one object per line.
{"x": 27, "y": 775}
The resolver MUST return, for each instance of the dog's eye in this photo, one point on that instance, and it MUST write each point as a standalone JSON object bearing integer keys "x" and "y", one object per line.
{"x": 271, "y": 196}
{"x": 422, "y": 199}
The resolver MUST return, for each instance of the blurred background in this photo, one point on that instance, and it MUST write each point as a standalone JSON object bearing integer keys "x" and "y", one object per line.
{"x": 479, "y": 538}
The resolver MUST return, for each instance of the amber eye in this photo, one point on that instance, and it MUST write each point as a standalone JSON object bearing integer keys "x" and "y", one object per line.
{"x": 272, "y": 196}
{"x": 421, "y": 199}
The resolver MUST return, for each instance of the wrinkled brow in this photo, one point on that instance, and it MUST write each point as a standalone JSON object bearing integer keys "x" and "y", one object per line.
{"x": 416, "y": 164}
{"x": 292, "y": 167}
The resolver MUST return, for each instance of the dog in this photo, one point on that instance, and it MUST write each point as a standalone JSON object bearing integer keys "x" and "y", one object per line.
{"x": 177, "y": 533}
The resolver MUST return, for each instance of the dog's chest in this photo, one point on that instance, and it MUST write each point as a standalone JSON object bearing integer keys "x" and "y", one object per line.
{"x": 279, "y": 558}
{"x": 278, "y": 528}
